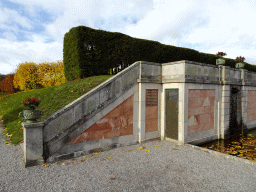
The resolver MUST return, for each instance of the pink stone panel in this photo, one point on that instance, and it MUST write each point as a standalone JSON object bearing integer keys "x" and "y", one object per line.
{"x": 151, "y": 119}
{"x": 113, "y": 133}
{"x": 193, "y": 129}
{"x": 212, "y": 100}
{"x": 205, "y": 127}
{"x": 201, "y": 106}
{"x": 197, "y": 118}
{"x": 118, "y": 122}
{"x": 251, "y": 105}
{"x": 199, "y": 110}
{"x": 203, "y": 93}
{"x": 151, "y": 111}
{"x": 211, "y": 93}
{"x": 204, "y": 118}
{"x": 151, "y": 125}
{"x": 191, "y": 111}
{"x": 212, "y": 118}
{"x": 194, "y": 93}
{"x": 118, "y": 111}
{"x": 208, "y": 109}
{"x": 250, "y": 112}
{"x": 196, "y": 102}
{"x": 190, "y": 102}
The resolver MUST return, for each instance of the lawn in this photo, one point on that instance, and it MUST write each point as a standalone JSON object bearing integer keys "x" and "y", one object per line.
{"x": 52, "y": 99}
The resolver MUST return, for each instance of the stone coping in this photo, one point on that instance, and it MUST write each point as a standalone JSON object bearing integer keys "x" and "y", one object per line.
{"x": 90, "y": 93}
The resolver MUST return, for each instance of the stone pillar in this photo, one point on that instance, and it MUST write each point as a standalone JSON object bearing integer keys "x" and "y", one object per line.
{"x": 33, "y": 143}
{"x": 244, "y": 76}
{"x": 244, "y": 95}
{"x": 224, "y": 78}
{"x": 141, "y": 118}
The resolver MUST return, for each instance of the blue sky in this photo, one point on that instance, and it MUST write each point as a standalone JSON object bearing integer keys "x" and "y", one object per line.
{"x": 33, "y": 30}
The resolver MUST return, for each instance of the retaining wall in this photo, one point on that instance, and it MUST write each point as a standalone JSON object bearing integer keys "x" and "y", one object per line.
{"x": 130, "y": 108}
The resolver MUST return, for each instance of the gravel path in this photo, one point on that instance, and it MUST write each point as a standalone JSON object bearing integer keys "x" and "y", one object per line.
{"x": 162, "y": 169}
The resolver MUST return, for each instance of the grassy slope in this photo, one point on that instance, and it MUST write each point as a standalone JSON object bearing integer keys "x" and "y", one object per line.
{"x": 52, "y": 99}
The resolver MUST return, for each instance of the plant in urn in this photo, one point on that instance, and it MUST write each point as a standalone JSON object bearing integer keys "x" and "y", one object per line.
{"x": 220, "y": 61}
{"x": 240, "y": 64}
{"x": 31, "y": 115}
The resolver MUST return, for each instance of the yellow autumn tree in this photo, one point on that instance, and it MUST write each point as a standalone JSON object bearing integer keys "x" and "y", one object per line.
{"x": 51, "y": 73}
{"x": 26, "y": 76}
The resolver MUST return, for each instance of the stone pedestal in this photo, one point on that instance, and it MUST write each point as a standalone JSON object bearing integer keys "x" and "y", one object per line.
{"x": 33, "y": 143}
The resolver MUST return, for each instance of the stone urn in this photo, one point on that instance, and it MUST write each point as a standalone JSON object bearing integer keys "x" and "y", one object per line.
{"x": 240, "y": 65}
{"x": 31, "y": 115}
{"x": 220, "y": 61}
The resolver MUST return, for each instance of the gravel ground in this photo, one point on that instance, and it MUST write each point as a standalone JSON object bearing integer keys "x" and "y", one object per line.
{"x": 162, "y": 169}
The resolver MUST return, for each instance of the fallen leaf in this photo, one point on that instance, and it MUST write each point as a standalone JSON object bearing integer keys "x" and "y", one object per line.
{"x": 46, "y": 165}
{"x": 7, "y": 143}
{"x": 82, "y": 160}
{"x": 57, "y": 162}
{"x": 174, "y": 149}
{"x": 73, "y": 159}
{"x": 250, "y": 155}
{"x": 112, "y": 178}
{"x": 140, "y": 148}
{"x": 147, "y": 150}
{"x": 156, "y": 146}
{"x": 64, "y": 163}
{"x": 95, "y": 153}
{"x": 109, "y": 157}
{"x": 84, "y": 156}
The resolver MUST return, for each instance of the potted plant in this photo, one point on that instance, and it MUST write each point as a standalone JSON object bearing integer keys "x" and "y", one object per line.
{"x": 31, "y": 114}
{"x": 240, "y": 64}
{"x": 220, "y": 61}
